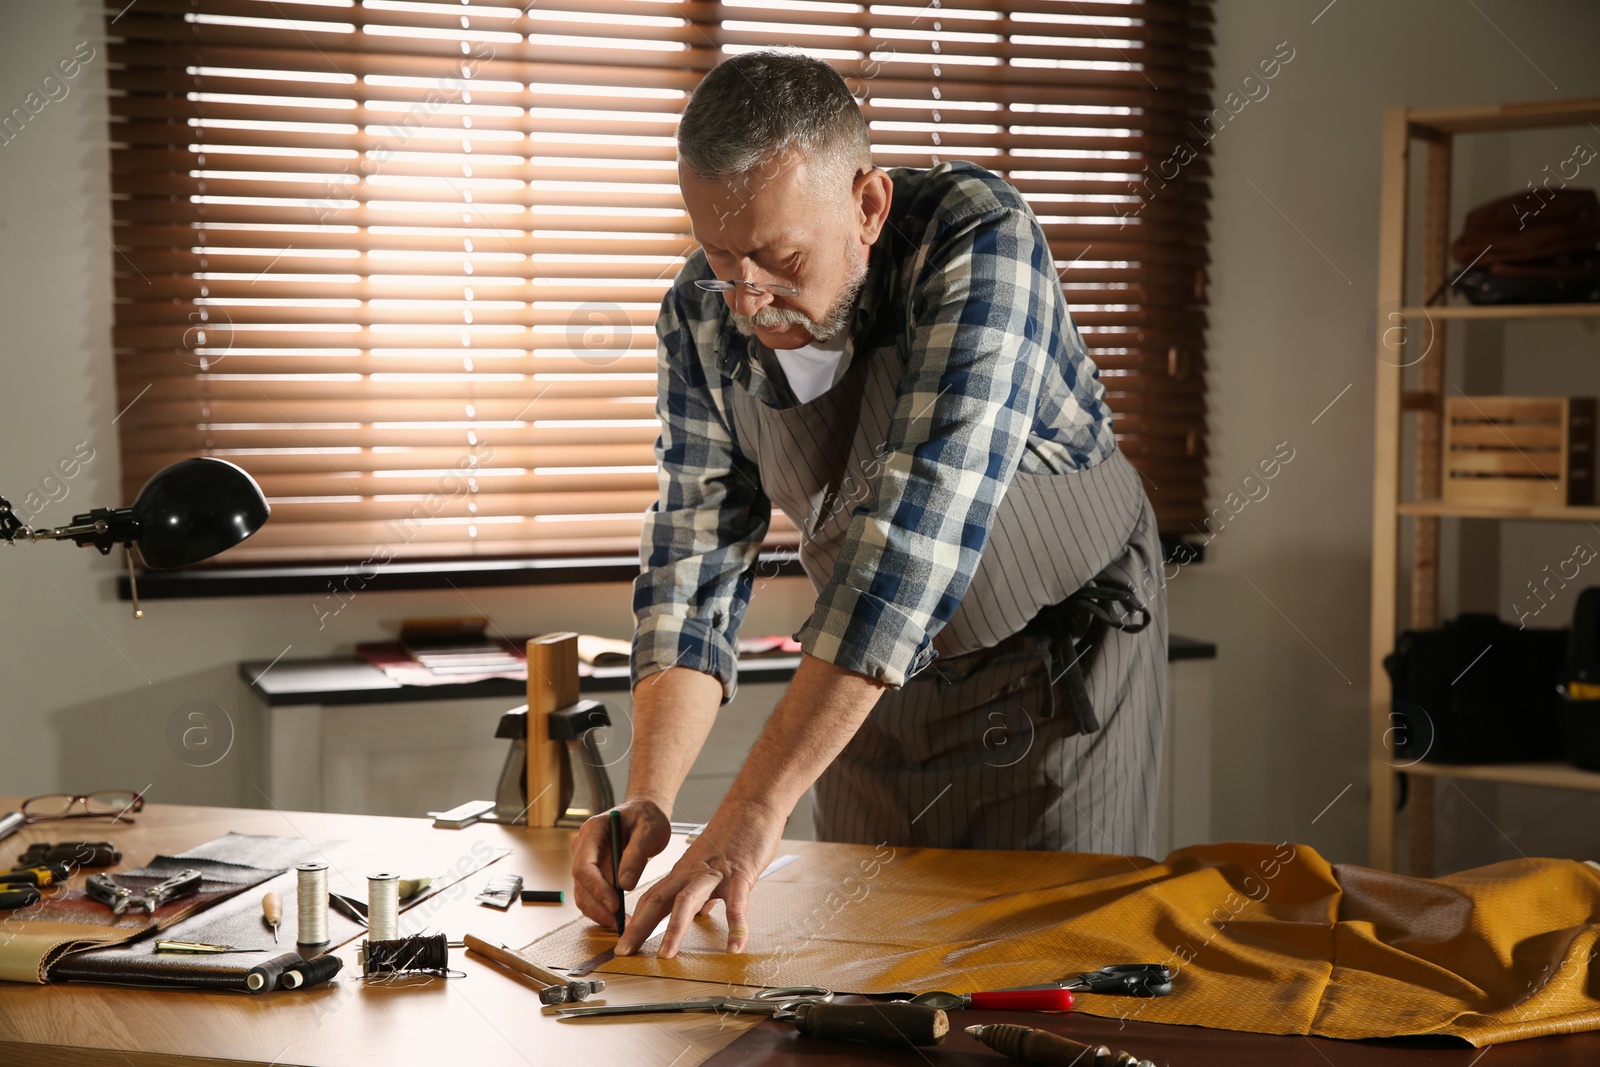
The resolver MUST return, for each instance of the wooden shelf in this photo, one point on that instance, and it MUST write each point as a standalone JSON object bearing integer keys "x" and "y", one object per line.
{"x": 1554, "y": 775}
{"x": 1409, "y": 443}
{"x": 1504, "y": 311}
{"x": 1537, "y": 114}
{"x": 1444, "y": 510}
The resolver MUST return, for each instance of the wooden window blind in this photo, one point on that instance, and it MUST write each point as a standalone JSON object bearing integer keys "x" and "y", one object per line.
{"x": 401, "y": 260}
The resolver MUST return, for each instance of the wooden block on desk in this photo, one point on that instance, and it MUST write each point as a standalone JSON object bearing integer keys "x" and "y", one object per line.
{"x": 552, "y": 684}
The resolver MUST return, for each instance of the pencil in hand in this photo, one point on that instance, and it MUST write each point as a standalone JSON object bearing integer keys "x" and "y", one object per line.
{"x": 616, "y": 869}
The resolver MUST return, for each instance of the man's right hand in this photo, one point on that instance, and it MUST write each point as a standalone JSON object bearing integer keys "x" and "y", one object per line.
{"x": 646, "y": 831}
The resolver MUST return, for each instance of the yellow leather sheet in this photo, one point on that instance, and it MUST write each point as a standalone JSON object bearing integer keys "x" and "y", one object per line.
{"x": 1264, "y": 938}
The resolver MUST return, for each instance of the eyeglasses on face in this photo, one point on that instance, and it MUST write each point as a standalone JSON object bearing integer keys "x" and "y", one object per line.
{"x": 111, "y": 804}
{"x": 717, "y": 285}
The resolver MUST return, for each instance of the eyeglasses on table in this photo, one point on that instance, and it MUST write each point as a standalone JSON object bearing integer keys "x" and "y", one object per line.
{"x": 112, "y": 804}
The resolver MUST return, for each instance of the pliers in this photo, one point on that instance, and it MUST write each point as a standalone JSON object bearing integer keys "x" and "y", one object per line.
{"x": 120, "y": 898}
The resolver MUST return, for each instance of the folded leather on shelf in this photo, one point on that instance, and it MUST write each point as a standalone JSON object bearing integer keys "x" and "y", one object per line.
{"x": 1263, "y": 938}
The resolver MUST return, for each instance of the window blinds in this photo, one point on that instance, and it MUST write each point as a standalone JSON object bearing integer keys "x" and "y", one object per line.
{"x": 401, "y": 260}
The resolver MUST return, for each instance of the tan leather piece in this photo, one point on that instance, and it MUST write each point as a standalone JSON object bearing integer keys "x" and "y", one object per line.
{"x": 27, "y": 949}
{"x": 1265, "y": 938}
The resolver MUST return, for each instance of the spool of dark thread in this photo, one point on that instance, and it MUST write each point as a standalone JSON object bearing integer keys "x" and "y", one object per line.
{"x": 894, "y": 1025}
{"x": 263, "y": 977}
{"x": 312, "y": 972}
{"x": 427, "y": 953}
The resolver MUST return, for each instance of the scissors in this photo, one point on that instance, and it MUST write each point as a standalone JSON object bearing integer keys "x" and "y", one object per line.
{"x": 1122, "y": 979}
{"x": 779, "y": 1003}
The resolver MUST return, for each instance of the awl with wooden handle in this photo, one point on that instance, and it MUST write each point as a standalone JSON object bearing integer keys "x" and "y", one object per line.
{"x": 272, "y": 912}
{"x": 1044, "y": 1049}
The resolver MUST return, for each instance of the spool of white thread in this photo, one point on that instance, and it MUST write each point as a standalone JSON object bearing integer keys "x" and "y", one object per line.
{"x": 312, "y": 900}
{"x": 383, "y": 907}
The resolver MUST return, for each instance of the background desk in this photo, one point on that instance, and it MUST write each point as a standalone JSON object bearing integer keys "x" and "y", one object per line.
{"x": 340, "y": 735}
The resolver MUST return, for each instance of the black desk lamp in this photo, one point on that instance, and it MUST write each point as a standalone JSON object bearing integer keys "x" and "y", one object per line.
{"x": 185, "y": 513}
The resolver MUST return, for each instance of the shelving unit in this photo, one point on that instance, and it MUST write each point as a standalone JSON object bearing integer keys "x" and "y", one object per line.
{"x": 1419, "y": 391}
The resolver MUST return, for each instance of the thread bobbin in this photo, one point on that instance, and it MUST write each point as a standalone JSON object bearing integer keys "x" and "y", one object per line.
{"x": 311, "y": 900}
{"x": 383, "y": 906}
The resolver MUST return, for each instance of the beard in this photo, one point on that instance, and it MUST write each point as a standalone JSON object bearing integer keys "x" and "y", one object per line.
{"x": 837, "y": 318}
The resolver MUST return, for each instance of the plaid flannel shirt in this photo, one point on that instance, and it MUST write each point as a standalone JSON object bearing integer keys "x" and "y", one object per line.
{"x": 997, "y": 379}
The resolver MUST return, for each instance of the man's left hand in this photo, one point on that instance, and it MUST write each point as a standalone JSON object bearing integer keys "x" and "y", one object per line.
{"x": 722, "y": 864}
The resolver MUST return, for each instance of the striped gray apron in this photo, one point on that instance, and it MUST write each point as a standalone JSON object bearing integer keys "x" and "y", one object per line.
{"x": 1006, "y": 740}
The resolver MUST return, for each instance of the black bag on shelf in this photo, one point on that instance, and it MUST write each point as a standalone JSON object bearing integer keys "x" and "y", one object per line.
{"x": 1580, "y": 718}
{"x": 1477, "y": 690}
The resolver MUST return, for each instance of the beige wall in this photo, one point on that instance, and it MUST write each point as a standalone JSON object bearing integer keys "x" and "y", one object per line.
{"x": 88, "y": 693}
{"x": 1294, "y": 230}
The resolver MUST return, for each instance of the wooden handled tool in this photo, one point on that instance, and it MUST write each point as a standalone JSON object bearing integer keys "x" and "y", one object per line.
{"x": 1044, "y": 1049}
{"x": 272, "y": 912}
{"x": 506, "y": 958}
{"x": 558, "y": 990}
{"x": 894, "y": 1025}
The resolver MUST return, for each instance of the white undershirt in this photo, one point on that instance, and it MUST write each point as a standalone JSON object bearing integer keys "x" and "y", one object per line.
{"x": 812, "y": 368}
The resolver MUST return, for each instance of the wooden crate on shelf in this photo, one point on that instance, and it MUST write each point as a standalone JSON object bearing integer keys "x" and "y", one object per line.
{"x": 1519, "y": 451}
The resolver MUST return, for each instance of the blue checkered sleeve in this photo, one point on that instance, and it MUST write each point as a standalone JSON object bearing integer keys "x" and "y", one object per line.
{"x": 701, "y": 538}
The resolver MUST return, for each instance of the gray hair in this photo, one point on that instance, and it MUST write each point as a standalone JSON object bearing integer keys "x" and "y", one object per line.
{"x": 754, "y": 106}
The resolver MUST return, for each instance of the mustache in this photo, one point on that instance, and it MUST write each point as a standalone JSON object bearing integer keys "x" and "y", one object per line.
{"x": 836, "y": 320}
{"x": 773, "y": 318}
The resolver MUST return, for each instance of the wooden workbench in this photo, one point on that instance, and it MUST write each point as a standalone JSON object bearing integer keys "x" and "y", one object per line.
{"x": 488, "y": 1018}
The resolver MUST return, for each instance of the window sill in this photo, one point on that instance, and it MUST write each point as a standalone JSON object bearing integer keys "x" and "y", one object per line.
{"x": 320, "y": 579}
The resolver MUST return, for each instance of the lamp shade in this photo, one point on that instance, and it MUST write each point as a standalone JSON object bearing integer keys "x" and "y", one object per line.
{"x": 195, "y": 508}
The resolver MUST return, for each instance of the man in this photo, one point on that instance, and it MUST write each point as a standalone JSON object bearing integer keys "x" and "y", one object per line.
{"x": 888, "y": 358}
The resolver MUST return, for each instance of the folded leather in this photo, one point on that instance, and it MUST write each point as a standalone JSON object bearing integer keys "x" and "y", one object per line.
{"x": 68, "y": 921}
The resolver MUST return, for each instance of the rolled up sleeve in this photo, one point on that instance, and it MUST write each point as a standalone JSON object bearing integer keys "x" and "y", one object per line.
{"x": 986, "y": 306}
{"x": 701, "y": 539}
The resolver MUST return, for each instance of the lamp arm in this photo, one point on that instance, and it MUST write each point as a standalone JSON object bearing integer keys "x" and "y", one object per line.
{"x": 103, "y": 528}
{"x": 11, "y": 527}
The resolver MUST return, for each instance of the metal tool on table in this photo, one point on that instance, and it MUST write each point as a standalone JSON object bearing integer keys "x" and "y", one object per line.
{"x": 779, "y": 1003}
{"x": 499, "y": 892}
{"x": 272, "y": 913}
{"x": 41, "y": 875}
{"x": 1046, "y": 998}
{"x": 1121, "y": 980}
{"x": 71, "y": 853}
{"x": 811, "y": 1009}
{"x": 11, "y": 822}
{"x": 351, "y": 908}
{"x": 120, "y": 898}
{"x": 200, "y": 948}
{"x": 557, "y": 990}
{"x": 1044, "y": 1049}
